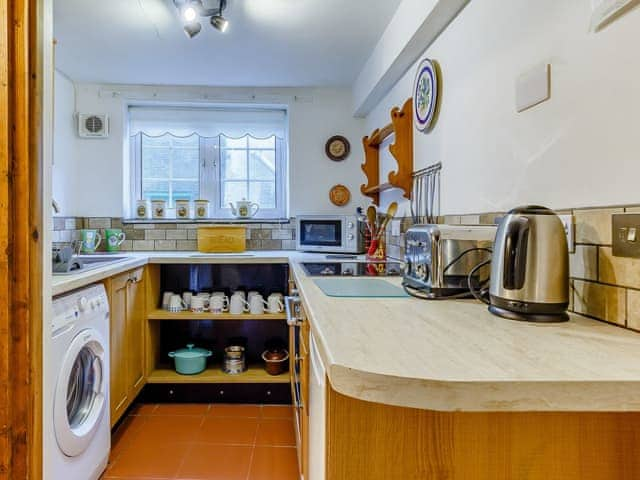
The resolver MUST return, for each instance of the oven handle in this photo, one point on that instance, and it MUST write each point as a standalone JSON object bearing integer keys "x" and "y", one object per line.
{"x": 289, "y": 304}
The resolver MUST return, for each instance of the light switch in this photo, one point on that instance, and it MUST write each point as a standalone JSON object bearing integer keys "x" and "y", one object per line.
{"x": 631, "y": 234}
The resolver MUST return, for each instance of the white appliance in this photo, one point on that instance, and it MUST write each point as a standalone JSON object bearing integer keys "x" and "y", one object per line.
{"x": 78, "y": 433}
{"x": 317, "y": 414}
{"x": 330, "y": 234}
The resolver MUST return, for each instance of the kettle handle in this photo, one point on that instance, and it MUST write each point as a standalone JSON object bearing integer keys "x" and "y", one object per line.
{"x": 515, "y": 253}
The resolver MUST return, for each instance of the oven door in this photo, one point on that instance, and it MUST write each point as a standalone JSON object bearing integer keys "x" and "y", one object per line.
{"x": 322, "y": 234}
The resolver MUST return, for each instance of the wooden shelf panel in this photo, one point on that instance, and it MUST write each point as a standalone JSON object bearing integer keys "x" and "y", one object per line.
{"x": 159, "y": 314}
{"x": 379, "y": 188}
{"x": 214, "y": 374}
{"x": 380, "y": 135}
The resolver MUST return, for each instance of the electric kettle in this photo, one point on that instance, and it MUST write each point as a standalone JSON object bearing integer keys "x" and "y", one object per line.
{"x": 530, "y": 267}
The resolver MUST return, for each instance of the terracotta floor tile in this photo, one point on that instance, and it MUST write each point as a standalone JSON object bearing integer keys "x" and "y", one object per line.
{"x": 277, "y": 411}
{"x": 216, "y": 462}
{"x": 149, "y": 460}
{"x": 125, "y": 433}
{"x": 222, "y": 410}
{"x": 276, "y": 432}
{"x": 274, "y": 463}
{"x": 167, "y": 429}
{"x": 181, "y": 409}
{"x": 143, "y": 409}
{"x": 228, "y": 431}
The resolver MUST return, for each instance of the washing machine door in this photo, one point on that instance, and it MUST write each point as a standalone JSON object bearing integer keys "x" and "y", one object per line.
{"x": 81, "y": 392}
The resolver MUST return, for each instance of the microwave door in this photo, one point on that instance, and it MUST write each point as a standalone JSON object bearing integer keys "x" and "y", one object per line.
{"x": 321, "y": 233}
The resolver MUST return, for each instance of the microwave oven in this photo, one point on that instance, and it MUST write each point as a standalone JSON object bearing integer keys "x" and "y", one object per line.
{"x": 330, "y": 234}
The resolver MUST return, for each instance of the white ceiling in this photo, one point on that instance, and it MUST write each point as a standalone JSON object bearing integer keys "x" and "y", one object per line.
{"x": 287, "y": 43}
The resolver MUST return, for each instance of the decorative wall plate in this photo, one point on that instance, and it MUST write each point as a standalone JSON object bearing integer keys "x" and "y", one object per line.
{"x": 339, "y": 195}
{"x": 337, "y": 148}
{"x": 425, "y": 95}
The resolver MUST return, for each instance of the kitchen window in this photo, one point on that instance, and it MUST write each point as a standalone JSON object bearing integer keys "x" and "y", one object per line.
{"x": 219, "y": 155}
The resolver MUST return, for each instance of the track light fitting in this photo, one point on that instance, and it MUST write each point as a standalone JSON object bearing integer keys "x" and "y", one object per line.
{"x": 191, "y": 10}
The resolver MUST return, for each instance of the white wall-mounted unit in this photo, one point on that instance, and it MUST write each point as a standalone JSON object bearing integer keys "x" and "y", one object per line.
{"x": 92, "y": 125}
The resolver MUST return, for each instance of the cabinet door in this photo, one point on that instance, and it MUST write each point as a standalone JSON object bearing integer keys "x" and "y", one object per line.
{"x": 119, "y": 388}
{"x": 135, "y": 332}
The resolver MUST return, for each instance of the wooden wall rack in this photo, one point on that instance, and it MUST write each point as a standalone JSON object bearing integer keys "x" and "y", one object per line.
{"x": 402, "y": 150}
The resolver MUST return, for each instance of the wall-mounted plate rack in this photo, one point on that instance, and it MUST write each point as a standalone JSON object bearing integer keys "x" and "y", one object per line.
{"x": 401, "y": 127}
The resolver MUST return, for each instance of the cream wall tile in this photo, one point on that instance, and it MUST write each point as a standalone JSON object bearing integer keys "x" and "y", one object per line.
{"x": 155, "y": 234}
{"x": 594, "y": 226}
{"x": 165, "y": 245}
{"x": 470, "y": 220}
{"x": 176, "y": 235}
{"x": 600, "y": 301}
{"x": 618, "y": 270}
{"x": 143, "y": 245}
{"x": 186, "y": 245}
{"x": 584, "y": 262}
{"x": 633, "y": 309}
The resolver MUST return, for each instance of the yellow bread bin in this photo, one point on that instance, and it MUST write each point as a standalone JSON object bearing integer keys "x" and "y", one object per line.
{"x": 222, "y": 239}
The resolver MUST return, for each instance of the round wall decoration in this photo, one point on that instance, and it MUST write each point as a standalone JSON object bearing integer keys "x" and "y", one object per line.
{"x": 337, "y": 148}
{"x": 339, "y": 195}
{"x": 425, "y": 94}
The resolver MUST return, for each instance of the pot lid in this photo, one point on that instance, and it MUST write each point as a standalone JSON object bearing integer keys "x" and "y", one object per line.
{"x": 190, "y": 352}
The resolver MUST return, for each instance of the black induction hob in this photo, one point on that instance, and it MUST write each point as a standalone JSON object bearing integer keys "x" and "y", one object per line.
{"x": 353, "y": 269}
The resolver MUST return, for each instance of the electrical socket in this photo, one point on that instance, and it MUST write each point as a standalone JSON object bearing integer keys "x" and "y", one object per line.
{"x": 569, "y": 230}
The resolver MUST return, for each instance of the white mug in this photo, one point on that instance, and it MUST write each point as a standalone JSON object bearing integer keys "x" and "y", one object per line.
{"x": 274, "y": 303}
{"x": 251, "y": 294}
{"x": 205, "y": 298}
{"x": 176, "y": 304}
{"x": 223, "y": 297}
{"x": 197, "y": 304}
{"x": 186, "y": 298}
{"x": 240, "y": 293}
{"x": 256, "y": 305}
{"x": 166, "y": 297}
{"x": 218, "y": 305}
{"x": 237, "y": 305}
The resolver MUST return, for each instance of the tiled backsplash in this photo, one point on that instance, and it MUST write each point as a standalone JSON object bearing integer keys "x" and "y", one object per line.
{"x": 172, "y": 236}
{"x": 602, "y": 286}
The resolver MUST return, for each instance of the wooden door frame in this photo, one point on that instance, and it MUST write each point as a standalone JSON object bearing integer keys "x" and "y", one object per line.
{"x": 21, "y": 231}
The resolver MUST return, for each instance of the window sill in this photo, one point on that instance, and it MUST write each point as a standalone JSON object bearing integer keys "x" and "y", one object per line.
{"x": 280, "y": 221}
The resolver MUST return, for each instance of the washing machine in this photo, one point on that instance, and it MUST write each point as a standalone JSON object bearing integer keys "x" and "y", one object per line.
{"x": 78, "y": 439}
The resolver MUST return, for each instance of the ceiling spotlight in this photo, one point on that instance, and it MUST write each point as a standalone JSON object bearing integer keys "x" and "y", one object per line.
{"x": 189, "y": 14}
{"x": 192, "y": 29}
{"x": 220, "y": 23}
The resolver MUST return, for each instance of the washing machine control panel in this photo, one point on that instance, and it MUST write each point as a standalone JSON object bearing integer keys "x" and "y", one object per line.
{"x": 76, "y": 306}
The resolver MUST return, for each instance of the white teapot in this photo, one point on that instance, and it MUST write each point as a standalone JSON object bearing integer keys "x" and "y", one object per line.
{"x": 244, "y": 208}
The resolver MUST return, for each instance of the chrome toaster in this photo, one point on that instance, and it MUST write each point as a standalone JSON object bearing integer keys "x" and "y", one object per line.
{"x": 439, "y": 258}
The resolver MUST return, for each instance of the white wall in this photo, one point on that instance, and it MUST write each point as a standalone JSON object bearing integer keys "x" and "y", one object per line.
{"x": 64, "y": 140}
{"x": 581, "y": 148}
{"x": 95, "y": 179}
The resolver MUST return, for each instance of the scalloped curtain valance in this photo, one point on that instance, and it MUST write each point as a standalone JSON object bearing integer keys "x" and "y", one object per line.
{"x": 207, "y": 122}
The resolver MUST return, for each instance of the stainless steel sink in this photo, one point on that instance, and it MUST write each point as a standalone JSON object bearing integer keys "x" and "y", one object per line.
{"x": 91, "y": 262}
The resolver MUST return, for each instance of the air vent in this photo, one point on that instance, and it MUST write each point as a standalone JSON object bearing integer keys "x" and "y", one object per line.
{"x": 93, "y": 125}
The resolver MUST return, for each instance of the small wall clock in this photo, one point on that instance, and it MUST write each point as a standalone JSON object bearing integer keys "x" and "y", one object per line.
{"x": 425, "y": 95}
{"x": 337, "y": 148}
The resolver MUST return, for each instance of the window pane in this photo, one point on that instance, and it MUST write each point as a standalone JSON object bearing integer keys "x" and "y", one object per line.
{"x": 155, "y": 189}
{"x": 263, "y": 193}
{"x": 269, "y": 143}
{"x": 185, "y": 190}
{"x": 232, "y": 192}
{"x": 228, "y": 142}
{"x": 234, "y": 164}
{"x": 262, "y": 165}
{"x": 171, "y": 168}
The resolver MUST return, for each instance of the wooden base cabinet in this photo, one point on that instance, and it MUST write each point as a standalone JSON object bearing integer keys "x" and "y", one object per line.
{"x": 368, "y": 441}
{"x": 127, "y": 302}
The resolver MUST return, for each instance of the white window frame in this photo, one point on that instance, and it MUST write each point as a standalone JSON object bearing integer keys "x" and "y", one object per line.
{"x": 210, "y": 178}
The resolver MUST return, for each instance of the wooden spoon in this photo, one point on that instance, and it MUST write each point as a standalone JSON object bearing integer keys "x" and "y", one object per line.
{"x": 371, "y": 220}
{"x": 393, "y": 208}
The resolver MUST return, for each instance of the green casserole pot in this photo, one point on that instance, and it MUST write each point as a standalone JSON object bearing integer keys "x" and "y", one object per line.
{"x": 190, "y": 360}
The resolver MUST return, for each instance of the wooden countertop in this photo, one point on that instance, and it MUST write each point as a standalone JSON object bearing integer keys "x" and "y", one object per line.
{"x": 455, "y": 355}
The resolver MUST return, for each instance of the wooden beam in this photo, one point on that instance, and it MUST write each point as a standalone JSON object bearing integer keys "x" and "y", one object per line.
{"x": 20, "y": 241}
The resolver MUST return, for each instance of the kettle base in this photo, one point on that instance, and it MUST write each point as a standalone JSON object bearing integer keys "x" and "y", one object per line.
{"x": 529, "y": 317}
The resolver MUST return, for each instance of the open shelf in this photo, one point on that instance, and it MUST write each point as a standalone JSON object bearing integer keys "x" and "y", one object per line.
{"x": 159, "y": 314}
{"x": 401, "y": 127}
{"x": 214, "y": 374}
